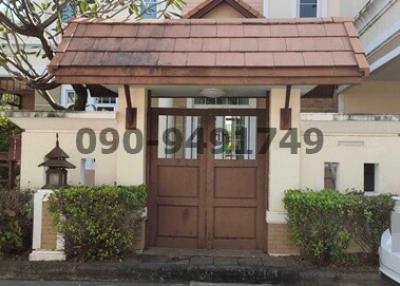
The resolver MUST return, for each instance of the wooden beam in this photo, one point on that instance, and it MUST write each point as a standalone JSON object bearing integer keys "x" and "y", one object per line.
{"x": 286, "y": 112}
{"x": 131, "y": 113}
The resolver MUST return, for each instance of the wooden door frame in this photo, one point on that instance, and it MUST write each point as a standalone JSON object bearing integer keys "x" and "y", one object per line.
{"x": 203, "y": 113}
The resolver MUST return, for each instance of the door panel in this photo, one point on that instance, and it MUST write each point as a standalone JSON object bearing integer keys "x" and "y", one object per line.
{"x": 187, "y": 186}
{"x": 235, "y": 182}
{"x": 235, "y": 223}
{"x": 207, "y": 180}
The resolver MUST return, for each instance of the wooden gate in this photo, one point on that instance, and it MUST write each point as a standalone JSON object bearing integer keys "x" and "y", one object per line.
{"x": 207, "y": 178}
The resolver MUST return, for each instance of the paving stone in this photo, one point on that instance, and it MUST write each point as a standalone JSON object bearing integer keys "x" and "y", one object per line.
{"x": 274, "y": 261}
{"x": 178, "y": 260}
{"x": 201, "y": 260}
{"x": 225, "y": 261}
{"x": 250, "y": 261}
{"x": 153, "y": 258}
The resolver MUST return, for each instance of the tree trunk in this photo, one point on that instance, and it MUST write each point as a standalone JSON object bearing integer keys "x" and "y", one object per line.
{"x": 46, "y": 96}
{"x": 81, "y": 97}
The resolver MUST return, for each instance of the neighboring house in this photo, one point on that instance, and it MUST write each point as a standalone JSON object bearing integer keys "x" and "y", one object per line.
{"x": 237, "y": 80}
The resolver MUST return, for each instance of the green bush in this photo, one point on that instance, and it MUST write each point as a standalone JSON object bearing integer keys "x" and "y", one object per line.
{"x": 15, "y": 221}
{"x": 323, "y": 223}
{"x": 98, "y": 222}
{"x": 370, "y": 219}
{"x": 7, "y": 130}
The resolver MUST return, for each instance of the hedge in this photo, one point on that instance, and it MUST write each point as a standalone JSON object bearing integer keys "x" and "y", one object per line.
{"x": 15, "y": 222}
{"x": 323, "y": 223}
{"x": 98, "y": 222}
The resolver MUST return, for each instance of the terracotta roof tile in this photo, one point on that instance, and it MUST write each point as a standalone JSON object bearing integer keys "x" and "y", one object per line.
{"x": 229, "y": 30}
{"x": 172, "y": 59}
{"x": 215, "y": 44}
{"x": 175, "y": 31}
{"x": 244, "y": 44}
{"x": 362, "y": 62}
{"x": 200, "y": 59}
{"x": 301, "y": 44}
{"x": 188, "y": 44}
{"x": 256, "y": 31}
{"x": 351, "y": 29}
{"x": 343, "y": 58}
{"x": 329, "y": 44}
{"x": 203, "y": 31}
{"x": 121, "y": 31}
{"x": 289, "y": 59}
{"x": 98, "y": 30}
{"x": 310, "y": 30}
{"x": 196, "y": 43}
{"x": 83, "y": 58}
{"x": 142, "y": 59}
{"x": 163, "y": 45}
{"x": 229, "y": 59}
{"x": 356, "y": 45}
{"x": 79, "y": 31}
{"x": 318, "y": 59}
{"x": 70, "y": 30}
{"x": 284, "y": 31}
{"x": 67, "y": 59}
{"x": 132, "y": 44}
{"x": 335, "y": 29}
{"x": 271, "y": 44}
{"x": 106, "y": 44}
{"x": 346, "y": 44}
{"x": 152, "y": 31}
{"x": 81, "y": 44}
{"x": 259, "y": 59}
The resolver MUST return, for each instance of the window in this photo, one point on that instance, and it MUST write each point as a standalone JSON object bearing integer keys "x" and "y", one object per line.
{"x": 330, "y": 175}
{"x": 235, "y": 138}
{"x": 149, "y": 9}
{"x": 308, "y": 8}
{"x": 222, "y": 100}
{"x": 106, "y": 100}
{"x": 68, "y": 13}
{"x": 370, "y": 171}
{"x": 68, "y": 98}
{"x": 88, "y": 167}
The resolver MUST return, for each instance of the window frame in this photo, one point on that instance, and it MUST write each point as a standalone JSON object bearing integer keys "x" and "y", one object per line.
{"x": 375, "y": 178}
{"x": 317, "y": 13}
{"x": 336, "y": 174}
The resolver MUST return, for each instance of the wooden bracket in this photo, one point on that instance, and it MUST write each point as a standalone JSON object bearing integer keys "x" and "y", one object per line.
{"x": 131, "y": 113}
{"x": 286, "y": 113}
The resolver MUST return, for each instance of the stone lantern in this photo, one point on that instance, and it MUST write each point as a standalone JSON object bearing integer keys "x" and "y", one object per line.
{"x": 57, "y": 165}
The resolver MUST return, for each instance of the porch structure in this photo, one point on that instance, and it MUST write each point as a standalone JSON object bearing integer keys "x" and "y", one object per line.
{"x": 200, "y": 199}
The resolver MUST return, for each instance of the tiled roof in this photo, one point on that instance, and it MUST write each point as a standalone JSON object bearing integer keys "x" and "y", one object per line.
{"x": 302, "y": 51}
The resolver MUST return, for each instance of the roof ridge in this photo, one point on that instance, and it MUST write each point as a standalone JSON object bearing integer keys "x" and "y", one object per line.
{"x": 213, "y": 21}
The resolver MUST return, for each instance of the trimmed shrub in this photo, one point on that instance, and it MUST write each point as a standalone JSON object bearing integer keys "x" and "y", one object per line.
{"x": 98, "y": 222}
{"x": 15, "y": 221}
{"x": 369, "y": 221}
{"x": 323, "y": 223}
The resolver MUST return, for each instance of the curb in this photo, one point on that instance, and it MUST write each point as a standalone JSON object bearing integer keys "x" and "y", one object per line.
{"x": 178, "y": 273}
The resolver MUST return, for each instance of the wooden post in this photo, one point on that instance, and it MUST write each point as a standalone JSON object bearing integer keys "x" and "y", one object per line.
{"x": 286, "y": 113}
{"x": 130, "y": 117}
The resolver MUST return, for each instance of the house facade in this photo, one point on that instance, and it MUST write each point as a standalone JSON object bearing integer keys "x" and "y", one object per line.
{"x": 211, "y": 114}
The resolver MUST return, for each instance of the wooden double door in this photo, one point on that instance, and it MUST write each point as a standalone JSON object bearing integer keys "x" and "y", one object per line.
{"x": 207, "y": 178}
